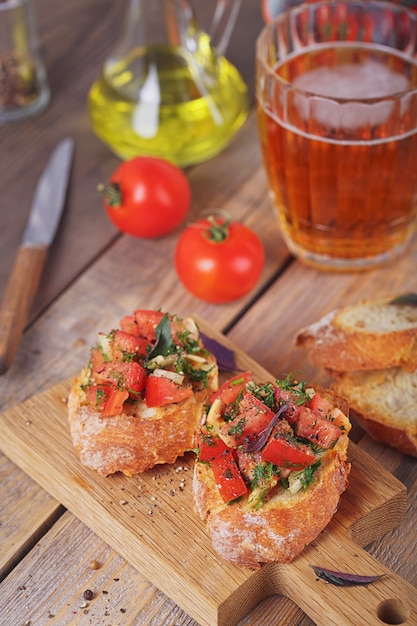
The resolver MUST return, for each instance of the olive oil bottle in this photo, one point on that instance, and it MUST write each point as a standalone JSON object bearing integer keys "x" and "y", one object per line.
{"x": 163, "y": 101}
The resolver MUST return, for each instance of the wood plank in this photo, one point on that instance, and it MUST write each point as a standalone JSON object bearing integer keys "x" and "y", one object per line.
{"x": 34, "y": 592}
{"x": 163, "y": 534}
{"x": 26, "y": 514}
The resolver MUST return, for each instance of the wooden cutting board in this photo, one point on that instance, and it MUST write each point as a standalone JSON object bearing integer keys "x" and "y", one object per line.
{"x": 149, "y": 519}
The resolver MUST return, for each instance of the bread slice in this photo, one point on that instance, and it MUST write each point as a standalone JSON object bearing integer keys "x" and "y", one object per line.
{"x": 137, "y": 437}
{"x": 373, "y": 334}
{"x": 384, "y": 403}
{"x": 288, "y": 517}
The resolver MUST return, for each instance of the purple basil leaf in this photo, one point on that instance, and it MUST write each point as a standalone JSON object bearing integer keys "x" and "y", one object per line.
{"x": 407, "y": 298}
{"x": 224, "y": 356}
{"x": 263, "y": 436}
{"x": 342, "y": 579}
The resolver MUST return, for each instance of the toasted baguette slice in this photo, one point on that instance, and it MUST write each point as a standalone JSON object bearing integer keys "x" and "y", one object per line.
{"x": 132, "y": 436}
{"x": 369, "y": 335}
{"x": 132, "y": 443}
{"x": 384, "y": 403}
{"x": 286, "y": 520}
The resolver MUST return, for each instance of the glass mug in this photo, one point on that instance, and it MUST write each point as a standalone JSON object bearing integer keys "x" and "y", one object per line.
{"x": 337, "y": 117}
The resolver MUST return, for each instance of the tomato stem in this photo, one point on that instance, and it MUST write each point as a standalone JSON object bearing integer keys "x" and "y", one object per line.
{"x": 112, "y": 193}
{"x": 218, "y": 231}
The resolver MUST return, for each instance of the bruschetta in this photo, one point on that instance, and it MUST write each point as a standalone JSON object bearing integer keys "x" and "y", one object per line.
{"x": 139, "y": 400}
{"x": 271, "y": 466}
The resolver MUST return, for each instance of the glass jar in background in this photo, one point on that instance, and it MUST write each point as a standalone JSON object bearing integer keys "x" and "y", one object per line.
{"x": 24, "y": 89}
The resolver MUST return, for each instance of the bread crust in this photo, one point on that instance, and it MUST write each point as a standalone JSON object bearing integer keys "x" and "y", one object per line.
{"x": 384, "y": 404}
{"x": 133, "y": 443}
{"x": 370, "y": 335}
{"x": 286, "y": 523}
{"x": 281, "y": 529}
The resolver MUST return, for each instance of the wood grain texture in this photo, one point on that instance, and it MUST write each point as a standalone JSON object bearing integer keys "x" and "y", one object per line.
{"x": 150, "y": 521}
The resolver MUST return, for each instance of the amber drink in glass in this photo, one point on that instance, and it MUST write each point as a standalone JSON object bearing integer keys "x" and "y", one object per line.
{"x": 337, "y": 117}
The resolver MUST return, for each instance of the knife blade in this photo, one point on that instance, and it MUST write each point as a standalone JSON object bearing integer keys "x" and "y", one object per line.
{"x": 22, "y": 285}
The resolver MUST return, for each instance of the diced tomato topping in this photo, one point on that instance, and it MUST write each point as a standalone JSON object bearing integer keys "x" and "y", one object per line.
{"x": 107, "y": 397}
{"x": 252, "y": 417}
{"x": 131, "y": 375}
{"x": 97, "y": 394}
{"x": 317, "y": 429}
{"x": 114, "y": 402}
{"x": 147, "y": 321}
{"x": 230, "y": 390}
{"x": 228, "y": 477}
{"x": 126, "y": 343}
{"x": 97, "y": 360}
{"x": 128, "y": 324}
{"x": 210, "y": 447}
{"x": 285, "y": 453}
{"x": 161, "y": 391}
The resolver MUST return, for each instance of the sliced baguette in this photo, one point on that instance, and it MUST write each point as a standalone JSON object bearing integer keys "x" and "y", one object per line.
{"x": 132, "y": 443}
{"x": 286, "y": 522}
{"x": 369, "y": 335}
{"x": 137, "y": 437}
{"x": 384, "y": 403}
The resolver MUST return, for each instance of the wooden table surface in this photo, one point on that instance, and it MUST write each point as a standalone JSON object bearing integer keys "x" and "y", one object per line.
{"x": 94, "y": 276}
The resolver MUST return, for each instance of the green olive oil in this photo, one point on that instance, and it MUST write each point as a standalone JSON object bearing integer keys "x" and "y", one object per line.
{"x": 160, "y": 101}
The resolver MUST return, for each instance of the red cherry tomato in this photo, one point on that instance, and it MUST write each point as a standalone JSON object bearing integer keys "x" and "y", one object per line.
{"x": 219, "y": 260}
{"x": 147, "y": 197}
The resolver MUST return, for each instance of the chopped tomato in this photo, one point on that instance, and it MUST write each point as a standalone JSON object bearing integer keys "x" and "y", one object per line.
{"x": 147, "y": 321}
{"x": 230, "y": 390}
{"x": 161, "y": 391}
{"x": 128, "y": 324}
{"x": 228, "y": 477}
{"x": 97, "y": 394}
{"x": 127, "y": 344}
{"x": 252, "y": 417}
{"x": 210, "y": 447}
{"x": 317, "y": 429}
{"x": 107, "y": 397}
{"x": 114, "y": 402}
{"x": 130, "y": 375}
{"x": 97, "y": 361}
{"x": 285, "y": 453}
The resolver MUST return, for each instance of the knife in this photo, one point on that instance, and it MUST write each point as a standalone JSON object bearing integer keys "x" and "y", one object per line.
{"x": 22, "y": 285}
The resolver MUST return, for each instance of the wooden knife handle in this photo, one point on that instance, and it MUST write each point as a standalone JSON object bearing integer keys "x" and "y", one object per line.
{"x": 19, "y": 294}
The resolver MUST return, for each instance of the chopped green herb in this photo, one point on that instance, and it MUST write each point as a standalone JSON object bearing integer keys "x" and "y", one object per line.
{"x": 298, "y": 388}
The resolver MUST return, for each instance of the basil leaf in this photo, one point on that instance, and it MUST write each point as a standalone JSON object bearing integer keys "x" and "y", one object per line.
{"x": 164, "y": 343}
{"x": 407, "y": 298}
{"x": 224, "y": 356}
{"x": 342, "y": 579}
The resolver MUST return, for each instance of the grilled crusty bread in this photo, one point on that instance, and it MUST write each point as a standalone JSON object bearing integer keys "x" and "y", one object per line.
{"x": 285, "y": 522}
{"x": 132, "y": 443}
{"x": 384, "y": 403}
{"x": 370, "y": 349}
{"x": 372, "y": 334}
{"x": 137, "y": 437}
